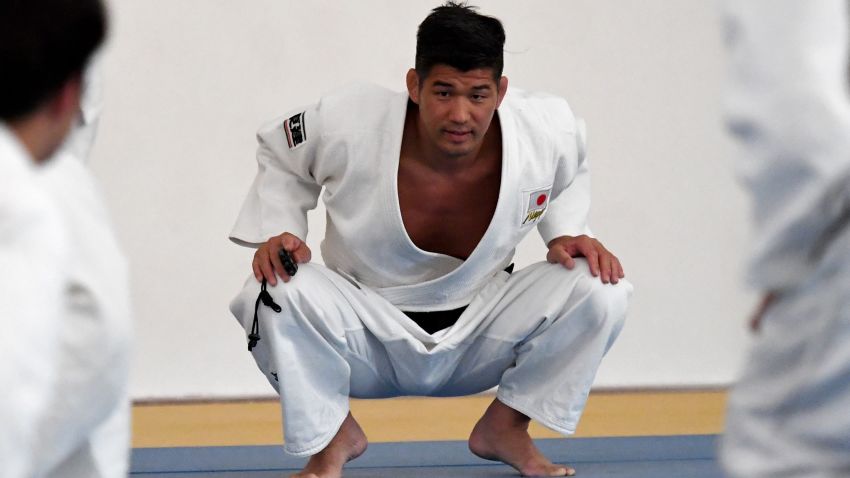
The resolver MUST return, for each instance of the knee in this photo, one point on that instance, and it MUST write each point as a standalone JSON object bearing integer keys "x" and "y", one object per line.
{"x": 601, "y": 305}
{"x": 304, "y": 284}
{"x": 609, "y": 299}
{"x": 307, "y": 283}
{"x": 608, "y": 304}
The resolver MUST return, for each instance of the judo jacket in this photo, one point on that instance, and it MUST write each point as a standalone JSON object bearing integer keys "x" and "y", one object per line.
{"x": 348, "y": 144}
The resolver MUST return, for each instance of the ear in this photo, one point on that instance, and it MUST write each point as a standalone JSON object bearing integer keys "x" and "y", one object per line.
{"x": 413, "y": 85}
{"x": 503, "y": 88}
{"x": 66, "y": 102}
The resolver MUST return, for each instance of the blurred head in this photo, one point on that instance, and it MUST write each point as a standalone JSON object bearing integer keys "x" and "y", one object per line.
{"x": 44, "y": 46}
{"x": 457, "y": 83}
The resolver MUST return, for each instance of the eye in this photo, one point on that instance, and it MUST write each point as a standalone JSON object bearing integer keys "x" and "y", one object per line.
{"x": 443, "y": 94}
{"x": 479, "y": 97}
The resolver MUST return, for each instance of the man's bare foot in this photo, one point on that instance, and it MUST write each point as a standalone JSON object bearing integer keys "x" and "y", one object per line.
{"x": 502, "y": 435}
{"x": 348, "y": 443}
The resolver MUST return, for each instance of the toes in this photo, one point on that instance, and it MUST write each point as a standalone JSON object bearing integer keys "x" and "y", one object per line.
{"x": 549, "y": 471}
{"x": 564, "y": 471}
{"x": 552, "y": 471}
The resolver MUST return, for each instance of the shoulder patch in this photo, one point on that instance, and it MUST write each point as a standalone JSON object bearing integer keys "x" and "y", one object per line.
{"x": 295, "y": 131}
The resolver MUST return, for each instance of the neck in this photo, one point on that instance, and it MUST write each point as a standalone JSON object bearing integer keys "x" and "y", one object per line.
{"x": 36, "y": 135}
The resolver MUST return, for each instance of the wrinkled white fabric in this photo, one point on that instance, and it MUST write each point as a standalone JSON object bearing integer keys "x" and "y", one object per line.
{"x": 86, "y": 431}
{"x": 787, "y": 105}
{"x": 539, "y": 333}
{"x": 94, "y": 352}
{"x": 33, "y": 256}
{"x": 352, "y": 148}
{"x": 789, "y": 415}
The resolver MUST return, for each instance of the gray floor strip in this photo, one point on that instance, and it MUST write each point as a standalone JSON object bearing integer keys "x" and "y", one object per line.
{"x": 626, "y": 453}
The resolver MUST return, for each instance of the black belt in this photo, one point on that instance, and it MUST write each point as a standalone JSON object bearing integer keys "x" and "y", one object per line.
{"x": 438, "y": 320}
{"x": 430, "y": 322}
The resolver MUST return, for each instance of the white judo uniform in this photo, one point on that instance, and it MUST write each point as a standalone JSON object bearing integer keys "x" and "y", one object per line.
{"x": 789, "y": 415}
{"x": 33, "y": 256}
{"x": 85, "y": 432}
{"x": 539, "y": 333}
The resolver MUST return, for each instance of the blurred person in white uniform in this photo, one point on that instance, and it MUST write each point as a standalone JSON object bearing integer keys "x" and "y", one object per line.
{"x": 87, "y": 428}
{"x": 788, "y": 106}
{"x": 428, "y": 192}
{"x": 62, "y": 284}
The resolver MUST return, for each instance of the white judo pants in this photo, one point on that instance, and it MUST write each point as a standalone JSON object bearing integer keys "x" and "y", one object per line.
{"x": 789, "y": 415}
{"x": 539, "y": 333}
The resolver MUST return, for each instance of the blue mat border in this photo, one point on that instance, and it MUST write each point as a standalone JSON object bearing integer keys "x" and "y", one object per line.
{"x": 433, "y": 453}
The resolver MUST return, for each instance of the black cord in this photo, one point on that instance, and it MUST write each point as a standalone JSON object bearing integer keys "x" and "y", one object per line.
{"x": 268, "y": 301}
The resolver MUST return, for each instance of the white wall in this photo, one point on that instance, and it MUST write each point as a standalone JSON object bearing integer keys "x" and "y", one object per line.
{"x": 189, "y": 82}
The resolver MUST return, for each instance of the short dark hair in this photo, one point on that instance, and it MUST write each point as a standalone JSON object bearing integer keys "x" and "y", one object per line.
{"x": 456, "y": 35}
{"x": 43, "y": 44}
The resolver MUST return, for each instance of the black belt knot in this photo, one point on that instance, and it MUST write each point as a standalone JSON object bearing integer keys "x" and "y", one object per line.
{"x": 268, "y": 301}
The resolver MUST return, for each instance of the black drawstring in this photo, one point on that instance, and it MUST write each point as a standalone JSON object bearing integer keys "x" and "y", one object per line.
{"x": 267, "y": 300}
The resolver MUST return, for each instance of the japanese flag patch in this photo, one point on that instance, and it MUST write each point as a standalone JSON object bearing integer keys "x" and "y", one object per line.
{"x": 536, "y": 201}
{"x": 295, "y": 131}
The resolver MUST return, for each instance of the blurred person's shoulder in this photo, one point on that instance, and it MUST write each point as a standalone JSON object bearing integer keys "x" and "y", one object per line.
{"x": 29, "y": 218}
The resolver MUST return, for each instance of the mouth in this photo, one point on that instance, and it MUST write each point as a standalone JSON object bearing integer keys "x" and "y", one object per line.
{"x": 458, "y": 136}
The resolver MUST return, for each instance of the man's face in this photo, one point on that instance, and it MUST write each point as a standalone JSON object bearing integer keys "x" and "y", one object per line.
{"x": 456, "y": 107}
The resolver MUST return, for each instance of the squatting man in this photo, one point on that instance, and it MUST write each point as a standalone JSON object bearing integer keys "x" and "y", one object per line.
{"x": 427, "y": 194}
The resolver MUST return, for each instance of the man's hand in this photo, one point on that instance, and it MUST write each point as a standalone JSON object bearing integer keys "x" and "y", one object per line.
{"x": 766, "y": 301}
{"x": 602, "y": 263}
{"x": 267, "y": 262}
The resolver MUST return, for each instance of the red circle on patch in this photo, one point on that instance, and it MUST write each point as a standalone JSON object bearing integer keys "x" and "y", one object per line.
{"x": 541, "y": 199}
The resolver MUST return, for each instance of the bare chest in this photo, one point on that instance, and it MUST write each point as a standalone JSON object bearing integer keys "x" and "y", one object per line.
{"x": 447, "y": 215}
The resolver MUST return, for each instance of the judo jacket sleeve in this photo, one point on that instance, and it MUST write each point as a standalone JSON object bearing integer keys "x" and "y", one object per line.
{"x": 570, "y": 205}
{"x": 285, "y": 186}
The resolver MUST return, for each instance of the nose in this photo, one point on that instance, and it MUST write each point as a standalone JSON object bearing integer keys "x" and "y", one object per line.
{"x": 459, "y": 112}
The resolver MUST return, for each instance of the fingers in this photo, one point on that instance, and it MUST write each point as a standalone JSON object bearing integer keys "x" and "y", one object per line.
{"x": 298, "y": 249}
{"x": 289, "y": 242}
{"x": 616, "y": 270}
{"x": 605, "y": 269}
{"x": 263, "y": 265}
{"x": 274, "y": 257}
{"x": 601, "y": 262}
{"x": 258, "y": 273}
{"x": 610, "y": 267}
{"x": 593, "y": 262}
{"x": 267, "y": 264}
{"x": 304, "y": 253}
{"x": 586, "y": 247}
{"x": 756, "y": 319}
{"x": 559, "y": 255}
